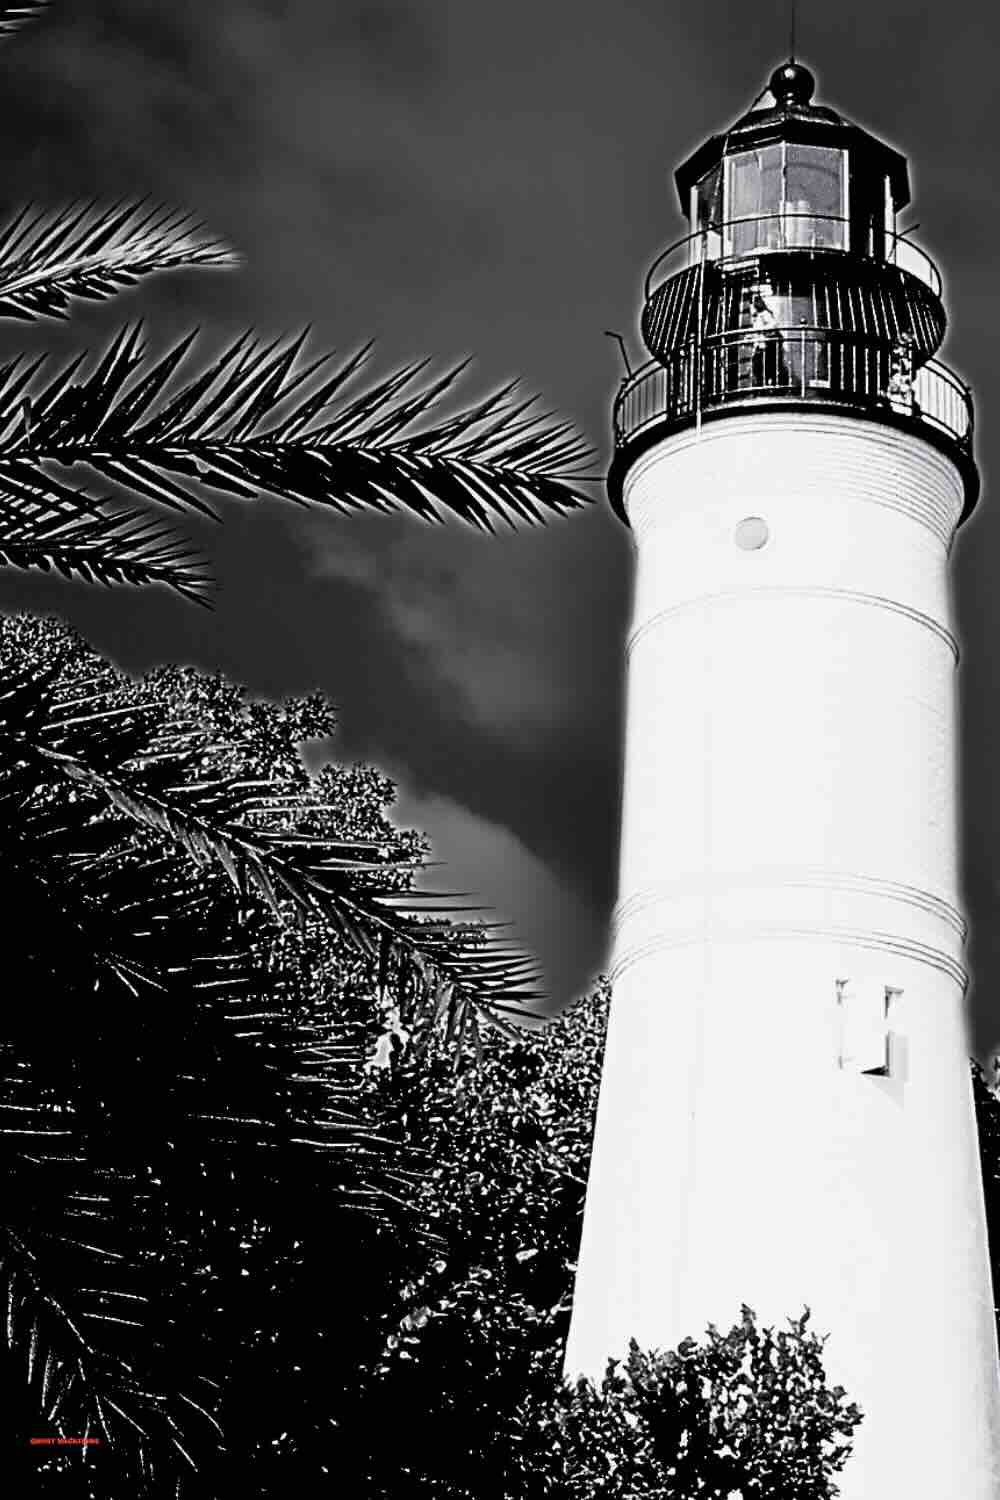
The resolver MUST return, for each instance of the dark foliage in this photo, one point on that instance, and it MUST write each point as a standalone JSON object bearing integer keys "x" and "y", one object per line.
{"x": 483, "y": 1314}
{"x": 745, "y": 1413}
{"x": 471, "y": 1376}
{"x": 199, "y": 934}
{"x": 984, "y": 1093}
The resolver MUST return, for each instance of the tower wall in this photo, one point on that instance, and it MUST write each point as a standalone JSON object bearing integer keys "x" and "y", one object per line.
{"x": 789, "y": 839}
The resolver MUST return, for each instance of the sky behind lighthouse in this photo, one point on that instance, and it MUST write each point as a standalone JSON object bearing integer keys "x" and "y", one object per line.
{"x": 455, "y": 177}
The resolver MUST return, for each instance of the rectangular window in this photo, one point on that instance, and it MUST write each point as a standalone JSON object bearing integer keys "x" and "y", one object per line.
{"x": 785, "y": 195}
{"x": 708, "y": 199}
{"x": 815, "y": 205}
{"x": 705, "y": 216}
{"x": 753, "y": 196}
{"x": 866, "y": 1036}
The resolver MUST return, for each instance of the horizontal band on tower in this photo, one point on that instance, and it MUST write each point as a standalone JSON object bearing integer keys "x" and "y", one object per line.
{"x": 789, "y": 877}
{"x": 875, "y": 601}
{"x": 711, "y": 932}
{"x": 872, "y": 464}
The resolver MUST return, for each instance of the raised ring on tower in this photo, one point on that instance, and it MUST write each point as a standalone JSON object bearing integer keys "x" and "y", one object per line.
{"x": 794, "y": 286}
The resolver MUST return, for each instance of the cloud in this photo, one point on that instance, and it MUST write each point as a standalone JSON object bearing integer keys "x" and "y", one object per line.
{"x": 549, "y": 920}
{"x": 488, "y": 639}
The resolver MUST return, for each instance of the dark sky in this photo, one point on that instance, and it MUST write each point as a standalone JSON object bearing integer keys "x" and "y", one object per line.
{"x": 457, "y": 177}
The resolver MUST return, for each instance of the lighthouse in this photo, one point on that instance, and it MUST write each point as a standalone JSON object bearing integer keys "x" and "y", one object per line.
{"x": 786, "y": 1116}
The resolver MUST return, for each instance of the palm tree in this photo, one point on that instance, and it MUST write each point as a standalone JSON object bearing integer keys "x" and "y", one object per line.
{"x": 198, "y": 934}
{"x": 170, "y": 1067}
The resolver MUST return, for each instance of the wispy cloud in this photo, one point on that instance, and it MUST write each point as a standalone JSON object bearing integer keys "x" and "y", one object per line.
{"x": 488, "y": 638}
{"x": 548, "y": 918}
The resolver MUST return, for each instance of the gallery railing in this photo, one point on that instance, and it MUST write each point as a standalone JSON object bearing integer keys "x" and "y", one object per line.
{"x": 792, "y": 364}
{"x": 734, "y": 240}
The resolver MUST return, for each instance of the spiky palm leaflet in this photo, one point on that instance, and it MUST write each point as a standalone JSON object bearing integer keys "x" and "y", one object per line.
{"x": 260, "y": 420}
{"x": 12, "y": 17}
{"x": 85, "y": 251}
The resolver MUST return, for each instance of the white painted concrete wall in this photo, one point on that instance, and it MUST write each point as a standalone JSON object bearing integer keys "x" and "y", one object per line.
{"x": 790, "y": 820}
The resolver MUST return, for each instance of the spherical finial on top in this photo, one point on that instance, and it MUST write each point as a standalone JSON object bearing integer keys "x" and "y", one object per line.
{"x": 791, "y": 84}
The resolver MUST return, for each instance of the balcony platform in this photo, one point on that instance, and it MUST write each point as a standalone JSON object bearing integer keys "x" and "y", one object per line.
{"x": 788, "y": 369}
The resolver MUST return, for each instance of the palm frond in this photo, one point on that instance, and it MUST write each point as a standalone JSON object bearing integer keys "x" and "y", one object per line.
{"x": 161, "y": 1109}
{"x": 153, "y": 771}
{"x": 78, "y": 540}
{"x": 240, "y": 831}
{"x": 258, "y": 421}
{"x": 81, "y": 251}
{"x": 13, "y": 17}
{"x": 76, "y": 1317}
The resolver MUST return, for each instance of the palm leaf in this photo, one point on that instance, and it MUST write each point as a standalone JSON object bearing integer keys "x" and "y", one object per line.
{"x": 156, "y": 1104}
{"x": 59, "y": 1299}
{"x": 48, "y": 258}
{"x": 78, "y": 540}
{"x": 154, "y": 772}
{"x": 12, "y": 17}
{"x": 257, "y": 421}
{"x": 240, "y": 831}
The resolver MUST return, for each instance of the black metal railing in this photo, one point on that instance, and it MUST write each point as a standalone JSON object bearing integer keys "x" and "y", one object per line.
{"x": 735, "y": 240}
{"x": 792, "y": 364}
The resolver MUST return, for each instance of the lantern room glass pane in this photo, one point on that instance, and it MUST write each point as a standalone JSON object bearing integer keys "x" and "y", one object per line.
{"x": 709, "y": 199}
{"x": 708, "y": 214}
{"x": 753, "y": 195}
{"x": 814, "y": 197}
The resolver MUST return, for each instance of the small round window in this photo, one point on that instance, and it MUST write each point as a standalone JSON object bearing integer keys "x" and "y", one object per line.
{"x": 751, "y": 533}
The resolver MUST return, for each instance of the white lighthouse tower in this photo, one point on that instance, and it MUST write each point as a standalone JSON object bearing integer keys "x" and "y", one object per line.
{"x": 786, "y": 1114}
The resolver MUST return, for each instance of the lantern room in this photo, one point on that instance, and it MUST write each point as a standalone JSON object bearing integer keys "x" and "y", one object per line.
{"x": 793, "y": 176}
{"x": 794, "y": 286}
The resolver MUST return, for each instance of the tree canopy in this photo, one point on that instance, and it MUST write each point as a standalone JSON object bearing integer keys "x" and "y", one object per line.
{"x": 202, "y": 937}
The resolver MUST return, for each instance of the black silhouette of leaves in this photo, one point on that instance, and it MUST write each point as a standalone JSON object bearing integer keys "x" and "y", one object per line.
{"x": 120, "y": 546}
{"x": 258, "y": 421}
{"x": 82, "y": 251}
{"x": 254, "y": 832}
{"x": 168, "y": 1097}
{"x": 130, "y": 421}
{"x": 12, "y": 17}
